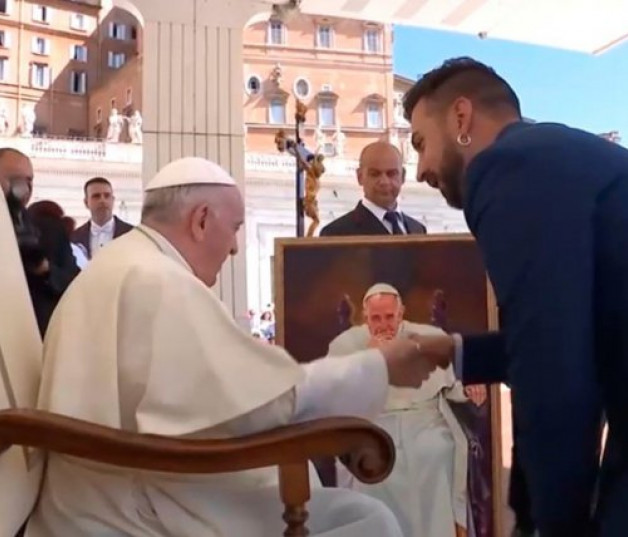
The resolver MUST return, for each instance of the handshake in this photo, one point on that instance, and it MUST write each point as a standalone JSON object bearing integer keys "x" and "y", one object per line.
{"x": 412, "y": 358}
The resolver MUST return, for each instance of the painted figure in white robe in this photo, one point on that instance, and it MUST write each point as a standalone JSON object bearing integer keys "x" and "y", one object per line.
{"x": 427, "y": 489}
{"x": 140, "y": 342}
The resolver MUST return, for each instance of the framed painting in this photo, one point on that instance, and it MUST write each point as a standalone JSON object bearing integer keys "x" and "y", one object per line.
{"x": 319, "y": 288}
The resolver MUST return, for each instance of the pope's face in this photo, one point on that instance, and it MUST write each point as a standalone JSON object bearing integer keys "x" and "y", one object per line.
{"x": 383, "y": 315}
{"x": 217, "y": 231}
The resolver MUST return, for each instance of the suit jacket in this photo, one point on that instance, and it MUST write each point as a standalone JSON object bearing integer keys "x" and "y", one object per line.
{"x": 46, "y": 289}
{"x": 361, "y": 221}
{"x": 548, "y": 207}
{"x": 81, "y": 234}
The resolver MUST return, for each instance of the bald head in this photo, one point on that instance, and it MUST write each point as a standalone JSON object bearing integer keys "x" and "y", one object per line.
{"x": 381, "y": 174}
{"x": 16, "y": 174}
{"x": 379, "y": 149}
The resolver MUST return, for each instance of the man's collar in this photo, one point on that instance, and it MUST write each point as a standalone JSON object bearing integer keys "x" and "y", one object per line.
{"x": 512, "y": 127}
{"x": 107, "y": 226}
{"x": 378, "y": 211}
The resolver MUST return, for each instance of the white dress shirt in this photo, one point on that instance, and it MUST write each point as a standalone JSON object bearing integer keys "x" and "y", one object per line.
{"x": 379, "y": 213}
{"x": 100, "y": 235}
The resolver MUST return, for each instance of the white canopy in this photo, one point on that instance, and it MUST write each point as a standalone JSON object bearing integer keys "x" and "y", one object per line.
{"x": 590, "y": 26}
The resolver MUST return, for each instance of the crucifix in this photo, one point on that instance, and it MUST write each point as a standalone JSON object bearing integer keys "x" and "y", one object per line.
{"x": 307, "y": 163}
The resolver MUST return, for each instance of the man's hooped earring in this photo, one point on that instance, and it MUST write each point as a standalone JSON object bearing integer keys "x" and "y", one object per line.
{"x": 463, "y": 140}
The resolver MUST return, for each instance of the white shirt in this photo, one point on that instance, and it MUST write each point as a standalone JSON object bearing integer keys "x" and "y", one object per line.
{"x": 100, "y": 235}
{"x": 379, "y": 213}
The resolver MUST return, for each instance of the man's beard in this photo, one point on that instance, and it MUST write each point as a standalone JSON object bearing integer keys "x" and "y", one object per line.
{"x": 452, "y": 177}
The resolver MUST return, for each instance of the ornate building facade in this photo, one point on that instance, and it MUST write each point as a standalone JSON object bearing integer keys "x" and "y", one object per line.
{"x": 341, "y": 69}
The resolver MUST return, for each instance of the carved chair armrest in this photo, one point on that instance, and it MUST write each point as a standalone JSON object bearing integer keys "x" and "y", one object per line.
{"x": 371, "y": 450}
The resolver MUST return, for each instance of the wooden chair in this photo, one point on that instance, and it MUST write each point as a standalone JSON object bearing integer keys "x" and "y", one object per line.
{"x": 26, "y": 435}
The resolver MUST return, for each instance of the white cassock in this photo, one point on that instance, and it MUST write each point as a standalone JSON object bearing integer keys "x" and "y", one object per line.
{"x": 427, "y": 489}
{"x": 139, "y": 343}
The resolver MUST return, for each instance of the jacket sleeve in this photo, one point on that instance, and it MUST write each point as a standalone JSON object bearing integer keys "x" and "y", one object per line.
{"x": 484, "y": 359}
{"x": 534, "y": 228}
{"x": 63, "y": 267}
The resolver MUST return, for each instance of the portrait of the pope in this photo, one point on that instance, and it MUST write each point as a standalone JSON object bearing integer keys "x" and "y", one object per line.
{"x": 338, "y": 296}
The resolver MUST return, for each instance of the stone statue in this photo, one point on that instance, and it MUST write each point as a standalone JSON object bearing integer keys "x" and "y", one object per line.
{"x": 393, "y": 138}
{"x": 135, "y": 128}
{"x": 398, "y": 109}
{"x": 319, "y": 139}
{"x": 276, "y": 74}
{"x": 116, "y": 121}
{"x": 28, "y": 120}
{"x": 339, "y": 139}
{"x": 4, "y": 120}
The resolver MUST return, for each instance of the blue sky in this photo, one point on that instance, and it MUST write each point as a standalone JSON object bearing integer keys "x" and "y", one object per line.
{"x": 584, "y": 91}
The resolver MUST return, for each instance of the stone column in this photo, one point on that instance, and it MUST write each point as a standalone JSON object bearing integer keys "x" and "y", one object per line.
{"x": 192, "y": 98}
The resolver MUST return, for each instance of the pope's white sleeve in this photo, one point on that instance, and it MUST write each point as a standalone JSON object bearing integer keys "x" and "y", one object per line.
{"x": 356, "y": 386}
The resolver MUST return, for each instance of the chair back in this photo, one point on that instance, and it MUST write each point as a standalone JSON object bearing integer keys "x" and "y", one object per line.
{"x": 20, "y": 371}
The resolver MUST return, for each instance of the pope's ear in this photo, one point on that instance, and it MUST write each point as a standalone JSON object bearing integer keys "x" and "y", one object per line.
{"x": 199, "y": 219}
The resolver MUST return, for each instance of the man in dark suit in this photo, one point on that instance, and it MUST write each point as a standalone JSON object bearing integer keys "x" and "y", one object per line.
{"x": 103, "y": 225}
{"x": 547, "y": 205}
{"x": 45, "y": 250}
{"x": 381, "y": 175}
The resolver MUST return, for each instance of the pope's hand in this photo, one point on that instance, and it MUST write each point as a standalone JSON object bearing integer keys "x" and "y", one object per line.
{"x": 406, "y": 368}
{"x": 438, "y": 350}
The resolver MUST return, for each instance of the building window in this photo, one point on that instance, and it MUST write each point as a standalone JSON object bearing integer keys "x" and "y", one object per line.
{"x": 276, "y": 33}
{"x": 42, "y": 13}
{"x": 326, "y": 113}
{"x": 113, "y": 103}
{"x": 324, "y": 36}
{"x": 78, "y": 82}
{"x": 40, "y": 76}
{"x": 5, "y": 7}
{"x": 4, "y": 69}
{"x": 78, "y": 53}
{"x": 117, "y": 31}
{"x": 133, "y": 33}
{"x": 253, "y": 85}
{"x": 5, "y": 39}
{"x": 372, "y": 40}
{"x": 302, "y": 88}
{"x": 374, "y": 115}
{"x": 41, "y": 46}
{"x": 129, "y": 96}
{"x": 116, "y": 59}
{"x": 78, "y": 22}
{"x": 99, "y": 115}
{"x": 277, "y": 112}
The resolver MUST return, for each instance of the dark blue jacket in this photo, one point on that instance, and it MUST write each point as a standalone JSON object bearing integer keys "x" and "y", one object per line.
{"x": 548, "y": 206}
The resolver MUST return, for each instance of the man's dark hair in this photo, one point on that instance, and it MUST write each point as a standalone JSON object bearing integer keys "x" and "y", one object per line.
{"x": 463, "y": 77}
{"x": 96, "y": 181}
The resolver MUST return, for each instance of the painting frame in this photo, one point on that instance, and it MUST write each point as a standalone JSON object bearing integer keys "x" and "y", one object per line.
{"x": 285, "y": 246}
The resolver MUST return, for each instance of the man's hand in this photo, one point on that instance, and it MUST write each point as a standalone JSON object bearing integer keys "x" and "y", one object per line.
{"x": 438, "y": 350}
{"x": 406, "y": 368}
{"x": 476, "y": 394}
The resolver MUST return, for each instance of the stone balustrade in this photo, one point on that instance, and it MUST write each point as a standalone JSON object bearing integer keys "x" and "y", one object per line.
{"x": 75, "y": 149}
